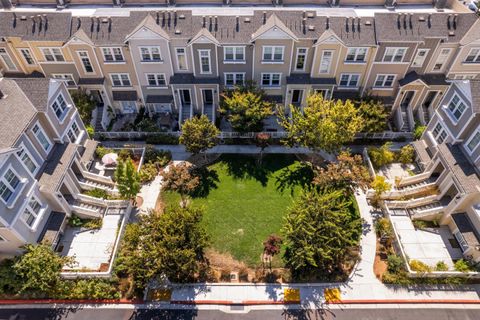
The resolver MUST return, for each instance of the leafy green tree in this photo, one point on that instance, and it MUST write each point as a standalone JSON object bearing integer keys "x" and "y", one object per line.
{"x": 374, "y": 115}
{"x": 381, "y": 156}
{"x": 380, "y": 186}
{"x": 178, "y": 178}
{"x": 199, "y": 134}
{"x": 245, "y": 108}
{"x": 127, "y": 179}
{"x": 418, "y": 131}
{"x": 170, "y": 244}
{"x": 347, "y": 172}
{"x": 320, "y": 230}
{"x": 39, "y": 270}
{"x": 322, "y": 124}
{"x": 407, "y": 154}
{"x": 84, "y": 105}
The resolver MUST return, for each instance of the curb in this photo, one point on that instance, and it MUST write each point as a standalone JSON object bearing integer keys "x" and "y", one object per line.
{"x": 66, "y": 301}
{"x": 406, "y": 301}
{"x": 232, "y": 303}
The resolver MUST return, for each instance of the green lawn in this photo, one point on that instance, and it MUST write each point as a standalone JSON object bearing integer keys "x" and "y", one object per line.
{"x": 245, "y": 202}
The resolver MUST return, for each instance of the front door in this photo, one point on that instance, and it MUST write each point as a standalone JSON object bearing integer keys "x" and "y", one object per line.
{"x": 207, "y": 97}
{"x": 407, "y": 98}
{"x": 297, "y": 97}
{"x": 96, "y": 96}
{"x": 185, "y": 97}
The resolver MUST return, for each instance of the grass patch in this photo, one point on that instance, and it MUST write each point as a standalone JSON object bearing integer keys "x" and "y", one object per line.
{"x": 245, "y": 202}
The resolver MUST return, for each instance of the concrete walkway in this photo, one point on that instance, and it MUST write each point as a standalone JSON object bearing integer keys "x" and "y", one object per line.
{"x": 362, "y": 285}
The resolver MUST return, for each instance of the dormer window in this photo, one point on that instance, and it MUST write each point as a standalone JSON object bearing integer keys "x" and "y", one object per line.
{"x": 394, "y": 54}
{"x": 356, "y": 54}
{"x": 112, "y": 55}
{"x": 456, "y": 107}
{"x": 8, "y": 185}
{"x": 473, "y": 56}
{"x": 234, "y": 54}
{"x": 60, "y": 107}
{"x": 150, "y": 54}
{"x": 273, "y": 54}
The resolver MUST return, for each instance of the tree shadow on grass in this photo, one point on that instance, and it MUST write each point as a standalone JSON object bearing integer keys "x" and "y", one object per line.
{"x": 208, "y": 181}
{"x": 289, "y": 178}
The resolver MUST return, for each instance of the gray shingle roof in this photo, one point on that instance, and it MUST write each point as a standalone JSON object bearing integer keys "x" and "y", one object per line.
{"x": 458, "y": 164}
{"x": 87, "y": 81}
{"x": 466, "y": 228}
{"x": 16, "y": 112}
{"x": 159, "y": 99}
{"x": 423, "y": 25}
{"x": 475, "y": 92}
{"x": 430, "y": 79}
{"x": 56, "y": 166}
{"x": 304, "y": 78}
{"x": 125, "y": 95}
{"x": 36, "y": 90}
{"x": 52, "y": 227}
{"x": 188, "y": 78}
{"x": 88, "y": 150}
{"x": 421, "y": 150}
{"x": 49, "y": 26}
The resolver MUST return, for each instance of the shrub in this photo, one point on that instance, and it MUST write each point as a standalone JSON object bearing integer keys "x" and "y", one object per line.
{"x": 441, "y": 266}
{"x": 93, "y": 223}
{"x": 148, "y": 172}
{"x": 383, "y": 227}
{"x": 84, "y": 105}
{"x": 160, "y": 157}
{"x": 147, "y": 125}
{"x": 90, "y": 130}
{"x": 395, "y": 264}
{"x": 380, "y": 185}
{"x": 97, "y": 193}
{"x": 420, "y": 266}
{"x": 374, "y": 115}
{"x": 407, "y": 154}
{"x": 92, "y": 289}
{"x": 101, "y": 151}
{"x": 418, "y": 131}
{"x": 462, "y": 266}
{"x": 161, "y": 139}
{"x": 75, "y": 221}
{"x": 125, "y": 154}
{"x": 381, "y": 156}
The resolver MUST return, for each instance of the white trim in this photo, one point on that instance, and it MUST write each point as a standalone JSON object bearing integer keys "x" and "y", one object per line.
{"x": 395, "y": 53}
{"x": 150, "y": 54}
{"x": 40, "y": 128}
{"x": 24, "y": 149}
{"x": 61, "y": 76}
{"x": 15, "y": 193}
{"x": 234, "y": 78}
{"x": 111, "y": 52}
{"x": 234, "y": 60}
{"x": 329, "y": 64}
{"x": 385, "y": 77}
{"x": 37, "y": 215}
{"x": 442, "y": 129}
{"x": 50, "y": 50}
{"x": 450, "y": 113}
{"x": 121, "y": 80}
{"x": 9, "y": 57}
{"x": 355, "y": 61}
{"x": 476, "y": 58}
{"x": 304, "y": 61}
{"x": 273, "y": 60}
{"x": 79, "y": 52}
{"x": 62, "y": 117}
{"x": 271, "y": 80}
{"x": 476, "y": 132}
{"x": 422, "y": 59}
{"x": 185, "y": 55}
{"x": 444, "y": 62}
{"x": 156, "y": 80}
{"x": 350, "y": 75}
{"x": 30, "y": 54}
{"x": 208, "y": 51}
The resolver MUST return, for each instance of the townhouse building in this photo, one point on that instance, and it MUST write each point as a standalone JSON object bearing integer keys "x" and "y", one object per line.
{"x": 178, "y": 62}
{"x": 45, "y": 154}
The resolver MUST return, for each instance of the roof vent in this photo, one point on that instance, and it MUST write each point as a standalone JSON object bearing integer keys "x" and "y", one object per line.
{"x": 311, "y": 15}
{"x": 204, "y": 22}
{"x": 399, "y": 25}
{"x": 23, "y": 18}
{"x": 429, "y": 24}
{"x": 264, "y": 17}
{"x": 177, "y": 31}
{"x": 410, "y": 23}
{"x": 327, "y": 23}
{"x": 104, "y": 20}
{"x": 449, "y": 26}
{"x": 247, "y": 20}
{"x": 311, "y": 28}
{"x": 368, "y": 22}
{"x": 421, "y": 18}
{"x": 451, "y": 33}
{"x": 455, "y": 20}
{"x": 181, "y": 17}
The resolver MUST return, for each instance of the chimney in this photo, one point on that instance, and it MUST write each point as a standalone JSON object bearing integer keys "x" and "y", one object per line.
{"x": 163, "y": 18}
{"x": 46, "y": 21}
{"x": 455, "y": 20}
{"x": 109, "y": 24}
{"x": 169, "y": 19}
{"x": 216, "y": 23}
{"x": 304, "y": 14}
{"x": 448, "y": 21}
{"x": 79, "y": 23}
{"x": 353, "y": 24}
{"x": 157, "y": 17}
{"x": 405, "y": 21}
{"x": 264, "y": 17}
{"x": 358, "y": 24}
{"x": 304, "y": 25}
{"x": 174, "y": 18}
{"x": 40, "y": 22}
{"x": 346, "y": 25}
{"x": 399, "y": 16}
{"x": 410, "y": 23}
{"x": 204, "y": 24}
{"x": 327, "y": 23}
{"x": 429, "y": 23}
{"x": 98, "y": 24}
{"x": 210, "y": 23}
{"x": 237, "y": 23}
{"x": 92, "y": 24}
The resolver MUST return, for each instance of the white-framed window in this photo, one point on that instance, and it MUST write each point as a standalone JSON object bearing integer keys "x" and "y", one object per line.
{"x": 356, "y": 54}
{"x": 326, "y": 61}
{"x": 234, "y": 54}
{"x": 384, "y": 80}
{"x": 27, "y": 56}
{"x": 60, "y": 107}
{"x": 349, "y": 80}
{"x": 26, "y": 158}
{"x": 181, "y": 55}
{"x": 156, "y": 80}
{"x": 150, "y": 54}
{"x": 86, "y": 63}
{"x": 473, "y": 142}
{"x": 439, "y": 133}
{"x": 53, "y": 54}
{"x": 68, "y": 78}
{"x": 32, "y": 211}
{"x": 420, "y": 57}
{"x": 7, "y": 61}
{"x": 273, "y": 53}
{"x": 271, "y": 79}
{"x": 73, "y": 132}
{"x": 112, "y": 54}
{"x": 9, "y": 183}
{"x": 456, "y": 107}
{"x": 473, "y": 56}
{"x": 234, "y": 79}
{"x": 128, "y": 106}
{"x": 205, "y": 65}
{"x": 394, "y": 54}
{"x": 120, "y": 79}
{"x": 41, "y": 137}
{"x": 301, "y": 59}
{"x": 442, "y": 59}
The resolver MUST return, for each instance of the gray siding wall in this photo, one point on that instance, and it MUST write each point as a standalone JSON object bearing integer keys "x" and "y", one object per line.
{"x": 455, "y": 128}
{"x": 213, "y": 59}
{"x": 431, "y": 45}
{"x": 240, "y": 68}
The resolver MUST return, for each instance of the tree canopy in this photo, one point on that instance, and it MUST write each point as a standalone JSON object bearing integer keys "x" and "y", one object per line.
{"x": 199, "y": 134}
{"x": 245, "y": 108}
{"x": 170, "y": 244}
{"x": 84, "y": 105}
{"x": 128, "y": 179}
{"x": 322, "y": 124}
{"x": 178, "y": 178}
{"x": 320, "y": 231}
{"x": 374, "y": 115}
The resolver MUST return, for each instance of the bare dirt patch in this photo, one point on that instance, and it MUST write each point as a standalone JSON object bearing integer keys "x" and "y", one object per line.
{"x": 380, "y": 264}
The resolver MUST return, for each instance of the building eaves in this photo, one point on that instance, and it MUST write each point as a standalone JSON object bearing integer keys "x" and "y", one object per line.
{"x": 304, "y": 78}
{"x": 52, "y": 228}
{"x": 159, "y": 99}
{"x": 466, "y": 228}
{"x": 56, "y": 166}
{"x": 475, "y": 92}
{"x": 124, "y": 95}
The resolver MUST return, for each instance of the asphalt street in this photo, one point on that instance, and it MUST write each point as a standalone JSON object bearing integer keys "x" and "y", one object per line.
{"x": 345, "y": 314}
